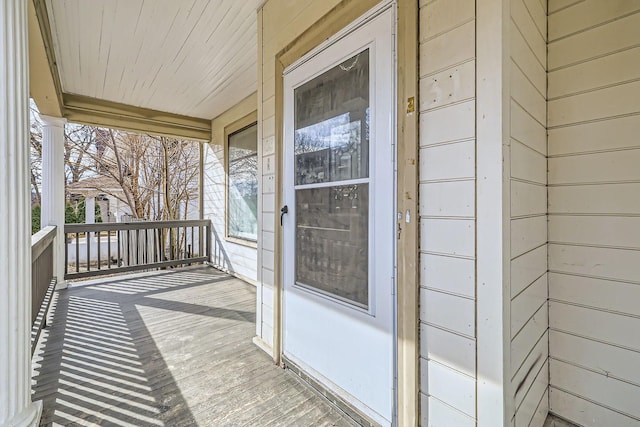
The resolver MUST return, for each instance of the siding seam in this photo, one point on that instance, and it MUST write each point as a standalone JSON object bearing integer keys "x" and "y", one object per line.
{"x": 445, "y": 329}
{"x": 594, "y": 26}
{"x": 449, "y": 142}
{"x": 445, "y": 292}
{"x": 443, "y": 254}
{"x": 457, "y": 64}
{"x": 594, "y": 402}
{"x": 447, "y": 67}
{"x": 450, "y": 104}
{"x": 622, "y": 347}
{"x": 594, "y": 89}
{"x": 430, "y": 359}
{"x": 453, "y": 408}
{"x": 592, "y": 152}
{"x": 592, "y": 58}
{"x": 595, "y": 308}
{"x": 565, "y": 7}
{"x": 595, "y": 371}
{"x": 443, "y": 33}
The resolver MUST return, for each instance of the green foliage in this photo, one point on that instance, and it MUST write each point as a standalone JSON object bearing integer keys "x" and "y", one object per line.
{"x": 70, "y": 216}
{"x": 35, "y": 219}
{"x": 76, "y": 214}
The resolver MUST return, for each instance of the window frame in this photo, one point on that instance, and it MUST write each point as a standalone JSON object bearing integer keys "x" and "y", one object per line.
{"x": 235, "y": 127}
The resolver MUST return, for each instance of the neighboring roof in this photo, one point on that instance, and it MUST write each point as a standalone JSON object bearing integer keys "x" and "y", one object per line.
{"x": 95, "y": 183}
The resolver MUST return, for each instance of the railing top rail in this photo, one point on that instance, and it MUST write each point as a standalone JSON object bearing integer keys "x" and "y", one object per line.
{"x": 141, "y": 225}
{"x": 41, "y": 240}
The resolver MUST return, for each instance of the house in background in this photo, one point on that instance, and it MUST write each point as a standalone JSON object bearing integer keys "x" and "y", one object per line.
{"x": 443, "y": 224}
{"x": 107, "y": 192}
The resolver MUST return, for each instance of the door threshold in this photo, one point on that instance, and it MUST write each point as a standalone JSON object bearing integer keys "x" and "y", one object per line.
{"x": 351, "y": 411}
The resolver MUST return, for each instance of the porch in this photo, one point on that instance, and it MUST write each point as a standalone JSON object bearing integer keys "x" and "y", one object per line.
{"x": 165, "y": 348}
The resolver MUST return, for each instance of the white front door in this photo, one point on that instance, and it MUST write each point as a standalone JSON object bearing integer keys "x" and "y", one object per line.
{"x": 339, "y": 233}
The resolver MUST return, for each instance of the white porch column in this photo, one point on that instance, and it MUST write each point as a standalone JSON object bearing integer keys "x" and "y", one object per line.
{"x": 90, "y": 210}
{"x": 116, "y": 208}
{"x": 90, "y": 217}
{"x": 16, "y": 408}
{"x": 53, "y": 198}
{"x": 495, "y": 401}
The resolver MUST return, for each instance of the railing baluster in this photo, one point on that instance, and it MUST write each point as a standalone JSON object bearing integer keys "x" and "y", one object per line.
{"x": 109, "y": 249}
{"x": 208, "y": 230}
{"x": 66, "y": 253}
{"x": 86, "y": 239}
{"x": 185, "y": 253}
{"x": 155, "y": 245}
{"x": 136, "y": 244}
{"x": 128, "y": 248}
{"x": 146, "y": 246}
{"x": 98, "y": 234}
{"x": 170, "y": 246}
{"x": 77, "y": 252}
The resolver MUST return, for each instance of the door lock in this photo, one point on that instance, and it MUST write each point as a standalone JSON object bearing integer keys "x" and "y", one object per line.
{"x": 284, "y": 210}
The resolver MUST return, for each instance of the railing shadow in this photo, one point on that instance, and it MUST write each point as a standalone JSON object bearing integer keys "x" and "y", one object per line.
{"x": 101, "y": 363}
{"x": 219, "y": 257}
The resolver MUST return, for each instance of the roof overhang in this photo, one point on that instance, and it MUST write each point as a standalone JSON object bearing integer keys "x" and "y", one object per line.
{"x": 44, "y": 82}
{"x": 98, "y": 112}
{"x": 220, "y": 84}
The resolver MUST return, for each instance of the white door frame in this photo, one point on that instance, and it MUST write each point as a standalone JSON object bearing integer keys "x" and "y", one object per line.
{"x": 389, "y": 187}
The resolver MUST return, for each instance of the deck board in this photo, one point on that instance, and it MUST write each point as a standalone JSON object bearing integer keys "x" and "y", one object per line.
{"x": 166, "y": 349}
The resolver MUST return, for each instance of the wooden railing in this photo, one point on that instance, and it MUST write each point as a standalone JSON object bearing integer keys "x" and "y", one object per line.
{"x": 43, "y": 280}
{"x": 109, "y": 248}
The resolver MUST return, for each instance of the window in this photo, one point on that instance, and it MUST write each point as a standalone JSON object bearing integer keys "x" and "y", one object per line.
{"x": 242, "y": 187}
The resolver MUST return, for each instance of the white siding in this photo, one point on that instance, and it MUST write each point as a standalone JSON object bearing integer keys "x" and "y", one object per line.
{"x": 447, "y": 210}
{"x": 594, "y": 210}
{"x": 528, "y": 233}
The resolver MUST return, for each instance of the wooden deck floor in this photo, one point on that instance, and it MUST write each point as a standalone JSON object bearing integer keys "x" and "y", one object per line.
{"x": 171, "y": 348}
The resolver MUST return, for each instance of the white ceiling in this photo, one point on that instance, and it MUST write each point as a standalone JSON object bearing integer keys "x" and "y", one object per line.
{"x": 191, "y": 57}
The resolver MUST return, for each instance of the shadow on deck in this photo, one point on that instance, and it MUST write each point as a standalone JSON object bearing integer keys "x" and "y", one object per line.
{"x": 171, "y": 348}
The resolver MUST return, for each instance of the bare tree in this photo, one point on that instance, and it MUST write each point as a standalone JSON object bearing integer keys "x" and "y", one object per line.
{"x": 147, "y": 169}
{"x": 158, "y": 175}
{"x": 79, "y": 140}
{"x": 180, "y": 172}
{"x": 35, "y": 139}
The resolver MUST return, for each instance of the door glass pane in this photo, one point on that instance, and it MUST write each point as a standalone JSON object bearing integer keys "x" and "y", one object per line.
{"x": 332, "y": 124}
{"x": 332, "y": 241}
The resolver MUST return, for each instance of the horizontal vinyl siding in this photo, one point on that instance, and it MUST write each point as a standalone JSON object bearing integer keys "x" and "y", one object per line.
{"x": 447, "y": 213}
{"x": 594, "y": 211}
{"x": 528, "y": 242}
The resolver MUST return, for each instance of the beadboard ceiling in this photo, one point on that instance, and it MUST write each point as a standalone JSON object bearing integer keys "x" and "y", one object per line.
{"x": 190, "y": 57}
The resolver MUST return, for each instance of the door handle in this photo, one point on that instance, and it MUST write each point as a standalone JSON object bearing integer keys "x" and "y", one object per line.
{"x": 284, "y": 210}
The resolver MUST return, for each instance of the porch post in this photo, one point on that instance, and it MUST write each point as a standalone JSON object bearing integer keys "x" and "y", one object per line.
{"x": 53, "y": 181}
{"x": 16, "y": 408}
{"x": 495, "y": 403}
{"x": 90, "y": 209}
{"x": 90, "y": 215}
{"x": 116, "y": 209}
